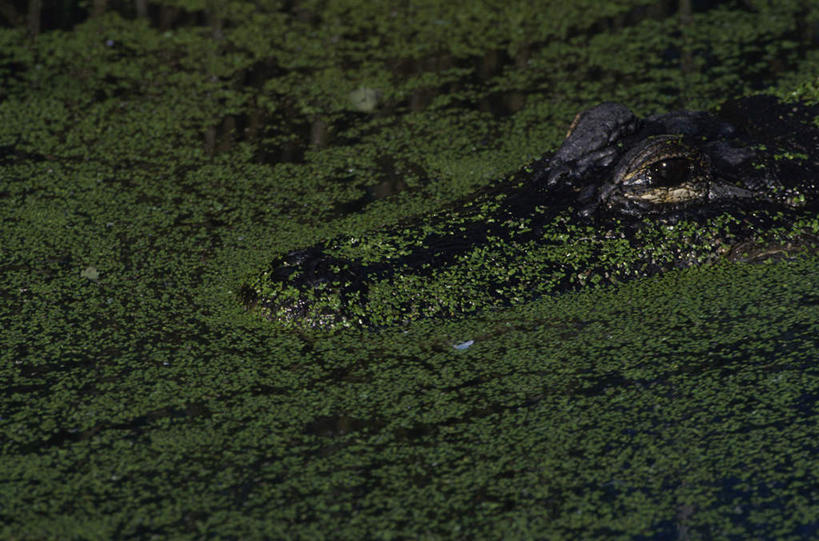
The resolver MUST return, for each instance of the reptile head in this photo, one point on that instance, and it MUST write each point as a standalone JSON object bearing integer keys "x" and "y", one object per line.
{"x": 562, "y": 222}
{"x": 677, "y": 163}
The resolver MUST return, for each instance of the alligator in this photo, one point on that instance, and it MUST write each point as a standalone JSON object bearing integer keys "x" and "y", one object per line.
{"x": 622, "y": 197}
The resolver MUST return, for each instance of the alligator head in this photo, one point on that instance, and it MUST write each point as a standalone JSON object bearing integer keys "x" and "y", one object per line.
{"x": 609, "y": 204}
{"x": 672, "y": 164}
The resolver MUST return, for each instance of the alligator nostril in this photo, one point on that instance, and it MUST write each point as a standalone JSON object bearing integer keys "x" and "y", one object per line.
{"x": 299, "y": 257}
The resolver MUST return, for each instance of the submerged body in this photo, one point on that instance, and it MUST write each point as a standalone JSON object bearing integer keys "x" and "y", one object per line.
{"x": 622, "y": 197}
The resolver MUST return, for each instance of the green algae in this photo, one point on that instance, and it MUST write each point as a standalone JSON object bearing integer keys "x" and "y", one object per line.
{"x": 606, "y": 411}
{"x": 145, "y": 403}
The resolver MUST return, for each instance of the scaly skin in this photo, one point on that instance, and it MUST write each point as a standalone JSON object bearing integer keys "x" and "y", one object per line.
{"x": 621, "y": 198}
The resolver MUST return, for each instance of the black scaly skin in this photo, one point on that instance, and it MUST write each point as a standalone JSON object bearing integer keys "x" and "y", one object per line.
{"x": 610, "y": 204}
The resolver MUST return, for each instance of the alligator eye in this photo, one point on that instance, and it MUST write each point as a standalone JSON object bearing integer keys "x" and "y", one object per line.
{"x": 658, "y": 161}
{"x": 658, "y": 171}
{"x": 667, "y": 172}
